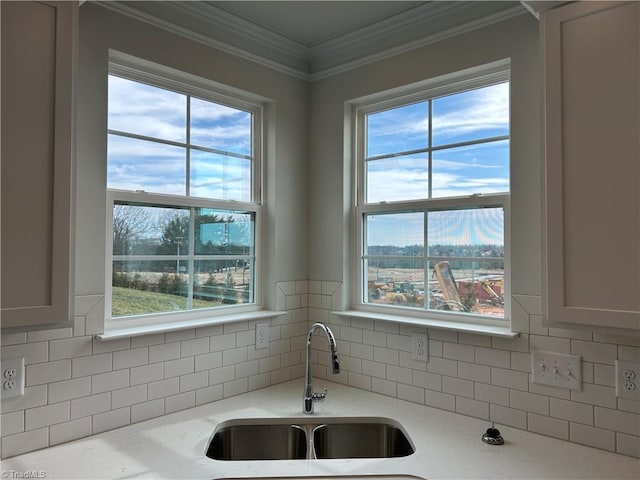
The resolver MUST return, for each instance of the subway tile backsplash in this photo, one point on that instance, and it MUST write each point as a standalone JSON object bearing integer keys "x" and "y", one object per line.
{"x": 488, "y": 377}
{"x": 77, "y": 386}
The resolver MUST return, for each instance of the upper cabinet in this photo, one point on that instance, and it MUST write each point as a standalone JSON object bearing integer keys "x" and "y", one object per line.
{"x": 38, "y": 45}
{"x": 591, "y": 63}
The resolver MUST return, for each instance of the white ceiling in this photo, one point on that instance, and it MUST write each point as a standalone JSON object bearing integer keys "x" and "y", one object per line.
{"x": 314, "y": 39}
{"x": 311, "y": 23}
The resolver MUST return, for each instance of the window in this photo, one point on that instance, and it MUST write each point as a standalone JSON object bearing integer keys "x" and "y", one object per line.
{"x": 432, "y": 201}
{"x": 183, "y": 170}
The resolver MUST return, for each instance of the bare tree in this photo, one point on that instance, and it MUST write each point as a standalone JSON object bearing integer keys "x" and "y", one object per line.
{"x": 129, "y": 223}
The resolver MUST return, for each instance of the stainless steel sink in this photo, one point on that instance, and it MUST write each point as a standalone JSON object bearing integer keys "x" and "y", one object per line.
{"x": 312, "y": 438}
{"x": 335, "y": 477}
{"x": 258, "y": 442}
{"x": 360, "y": 440}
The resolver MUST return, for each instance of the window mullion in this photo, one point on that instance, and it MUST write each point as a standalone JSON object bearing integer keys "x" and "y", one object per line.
{"x": 430, "y": 143}
{"x": 426, "y": 212}
{"x": 395, "y": 154}
{"x": 364, "y": 262}
{"x": 361, "y": 146}
{"x": 137, "y": 136}
{"x": 190, "y": 260}
{"x": 478, "y": 141}
{"x": 188, "y": 149}
{"x": 425, "y": 256}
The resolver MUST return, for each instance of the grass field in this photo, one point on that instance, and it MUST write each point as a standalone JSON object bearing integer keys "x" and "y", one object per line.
{"x": 127, "y": 301}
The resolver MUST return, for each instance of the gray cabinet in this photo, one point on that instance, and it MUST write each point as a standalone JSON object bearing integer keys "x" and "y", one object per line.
{"x": 37, "y": 148}
{"x": 591, "y": 62}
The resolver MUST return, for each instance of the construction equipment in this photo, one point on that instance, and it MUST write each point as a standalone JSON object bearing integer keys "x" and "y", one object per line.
{"x": 495, "y": 299}
{"x": 397, "y": 298}
{"x": 450, "y": 294}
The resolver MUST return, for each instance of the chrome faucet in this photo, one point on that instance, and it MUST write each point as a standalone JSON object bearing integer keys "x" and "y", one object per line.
{"x": 309, "y": 396}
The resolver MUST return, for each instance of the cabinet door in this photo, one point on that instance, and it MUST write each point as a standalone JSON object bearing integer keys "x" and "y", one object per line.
{"x": 592, "y": 163}
{"x": 37, "y": 161}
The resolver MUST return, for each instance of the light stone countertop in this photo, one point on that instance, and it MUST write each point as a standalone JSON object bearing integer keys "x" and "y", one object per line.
{"x": 447, "y": 446}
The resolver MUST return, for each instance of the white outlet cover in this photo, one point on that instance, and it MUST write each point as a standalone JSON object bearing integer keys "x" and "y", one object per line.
{"x": 12, "y": 378}
{"x": 628, "y": 380}
{"x": 556, "y": 369}
{"x": 262, "y": 336}
{"x": 419, "y": 347}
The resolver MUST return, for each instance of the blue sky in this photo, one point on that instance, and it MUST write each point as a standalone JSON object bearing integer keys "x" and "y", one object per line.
{"x": 135, "y": 164}
{"x": 484, "y": 226}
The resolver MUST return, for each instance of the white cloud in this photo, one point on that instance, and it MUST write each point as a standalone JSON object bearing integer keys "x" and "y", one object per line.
{"x": 397, "y": 184}
{"x": 453, "y": 165}
{"x": 215, "y": 112}
{"x": 232, "y": 138}
{"x": 124, "y": 147}
{"x": 154, "y": 112}
{"x": 469, "y": 112}
{"x": 138, "y": 108}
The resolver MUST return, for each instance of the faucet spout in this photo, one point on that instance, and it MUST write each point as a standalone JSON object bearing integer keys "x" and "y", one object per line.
{"x": 309, "y": 396}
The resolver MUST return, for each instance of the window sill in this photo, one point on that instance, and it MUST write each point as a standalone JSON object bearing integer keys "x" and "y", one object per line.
{"x": 138, "y": 331}
{"x": 491, "y": 330}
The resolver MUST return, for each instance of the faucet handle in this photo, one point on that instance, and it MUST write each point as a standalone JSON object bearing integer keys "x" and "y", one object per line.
{"x": 319, "y": 397}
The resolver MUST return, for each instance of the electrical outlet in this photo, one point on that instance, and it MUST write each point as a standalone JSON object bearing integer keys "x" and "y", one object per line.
{"x": 556, "y": 369}
{"x": 628, "y": 380}
{"x": 262, "y": 335}
{"x": 12, "y": 377}
{"x": 419, "y": 347}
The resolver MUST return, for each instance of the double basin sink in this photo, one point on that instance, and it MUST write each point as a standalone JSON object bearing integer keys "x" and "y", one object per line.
{"x": 308, "y": 438}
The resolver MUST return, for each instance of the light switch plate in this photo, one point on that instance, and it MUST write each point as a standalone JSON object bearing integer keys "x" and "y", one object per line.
{"x": 556, "y": 369}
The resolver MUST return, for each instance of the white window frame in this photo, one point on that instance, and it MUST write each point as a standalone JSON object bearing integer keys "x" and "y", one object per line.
{"x": 139, "y": 70}
{"x": 449, "y": 84}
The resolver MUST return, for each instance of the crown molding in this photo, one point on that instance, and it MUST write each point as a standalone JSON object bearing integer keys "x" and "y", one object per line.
{"x": 212, "y": 26}
{"x": 403, "y": 24}
{"x": 537, "y": 7}
{"x": 422, "y": 42}
{"x": 419, "y": 27}
{"x": 276, "y": 58}
{"x": 229, "y": 24}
